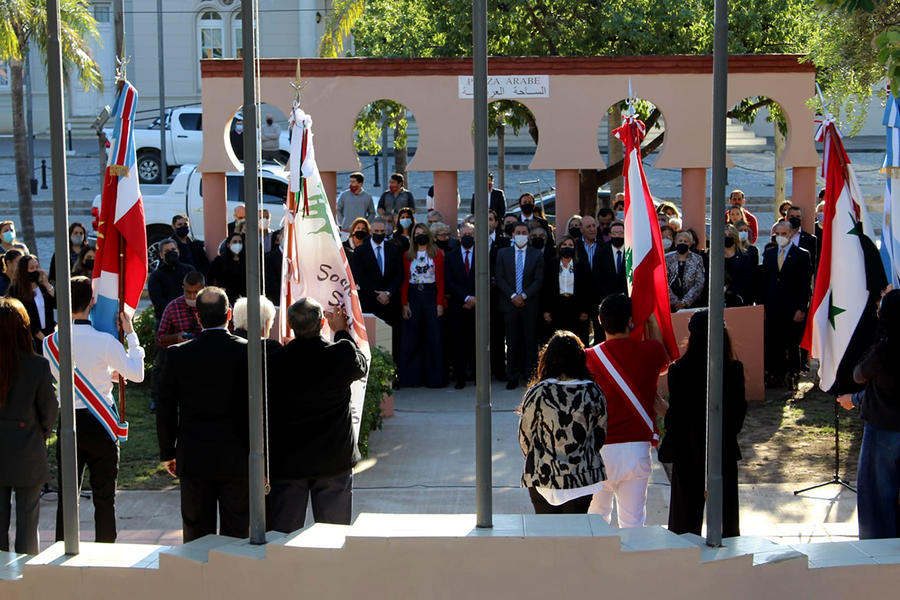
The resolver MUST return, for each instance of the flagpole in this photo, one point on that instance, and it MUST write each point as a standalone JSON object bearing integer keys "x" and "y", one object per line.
{"x": 483, "y": 476}
{"x": 66, "y": 432}
{"x": 715, "y": 358}
{"x": 254, "y": 348}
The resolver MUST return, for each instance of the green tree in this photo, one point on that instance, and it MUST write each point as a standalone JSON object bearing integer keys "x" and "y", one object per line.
{"x": 23, "y": 23}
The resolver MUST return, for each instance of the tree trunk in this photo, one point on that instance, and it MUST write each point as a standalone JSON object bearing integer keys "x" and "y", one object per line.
{"x": 25, "y": 227}
{"x": 501, "y": 157}
{"x": 400, "y": 157}
{"x": 589, "y": 181}
{"x": 616, "y": 149}
{"x": 780, "y": 171}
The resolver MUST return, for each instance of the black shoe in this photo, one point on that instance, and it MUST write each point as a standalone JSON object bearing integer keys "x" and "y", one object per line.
{"x": 512, "y": 384}
{"x": 460, "y": 385}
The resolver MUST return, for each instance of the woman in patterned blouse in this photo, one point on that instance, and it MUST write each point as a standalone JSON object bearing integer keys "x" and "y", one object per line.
{"x": 561, "y": 430}
{"x": 423, "y": 300}
{"x": 686, "y": 273}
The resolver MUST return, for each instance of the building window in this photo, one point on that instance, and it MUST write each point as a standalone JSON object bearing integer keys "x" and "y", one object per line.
{"x": 4, "y": 75}
{"x": 101, "y": 13}
{"x": 211, "y": 35}
{"x": 237, "y": 32}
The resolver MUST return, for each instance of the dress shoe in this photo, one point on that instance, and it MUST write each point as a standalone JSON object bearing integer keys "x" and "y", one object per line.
{"x": 512, "y": 384}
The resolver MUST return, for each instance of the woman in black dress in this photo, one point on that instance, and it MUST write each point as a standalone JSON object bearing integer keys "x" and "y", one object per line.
{"x": 684, "y": 444}
{"x": 228, "y": 270}
{"x": 567, "y": 291}
{"x": 31, "y": 287}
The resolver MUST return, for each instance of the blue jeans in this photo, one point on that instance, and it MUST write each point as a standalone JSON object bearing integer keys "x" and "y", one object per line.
{"x": 879, "y": 484}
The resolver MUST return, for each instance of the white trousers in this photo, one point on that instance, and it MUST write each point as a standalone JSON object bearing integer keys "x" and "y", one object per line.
{"x": 627, "y": 474}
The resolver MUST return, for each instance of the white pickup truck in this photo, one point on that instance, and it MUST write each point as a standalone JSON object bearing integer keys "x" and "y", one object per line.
{"x": 184, "y": 143}
{"x": 185, "y": 196}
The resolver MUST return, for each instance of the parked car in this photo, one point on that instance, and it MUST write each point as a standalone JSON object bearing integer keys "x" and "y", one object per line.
{"x": 547, "y": 203}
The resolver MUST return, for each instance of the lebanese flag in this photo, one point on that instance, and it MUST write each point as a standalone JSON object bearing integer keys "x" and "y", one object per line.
{"x": 121, "y": 229}
{"x": 314, "y": 263}
{"x": 840, "y": 295}
{"x": 645, "y": 266}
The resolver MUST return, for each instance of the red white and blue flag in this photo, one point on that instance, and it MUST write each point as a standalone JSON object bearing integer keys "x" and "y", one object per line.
{"x": 645, "y": 264}
{"x": 121, "y": 230}
{"x": 890, "y": 227}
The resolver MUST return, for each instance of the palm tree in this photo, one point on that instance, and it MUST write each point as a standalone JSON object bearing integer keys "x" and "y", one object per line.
{"x": 22, "y": 23}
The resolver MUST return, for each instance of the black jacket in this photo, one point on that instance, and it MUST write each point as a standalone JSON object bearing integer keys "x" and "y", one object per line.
{"x": 458, "y": 285}
{"x": 202, "y": 410}
{"x": 583, "y": 289}
{"x": 532, "y": 277}
{"x": 229, "y": 274}
{"x": 34, "y": 317}
{"x": 165, "y": 284}
{"x": 786, "y": 291}
{"x": 192, "y": 252}
{"x": 368, "y": 276}
{"x": 610, "y": 282}
{"x": 809, "y": 242}
{"x": 497, "y": 203}
{"x": 310, "y": 431}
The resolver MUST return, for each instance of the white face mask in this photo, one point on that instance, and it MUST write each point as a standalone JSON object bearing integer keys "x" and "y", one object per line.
{"x": 236, "y": 248}
{"x": 192, "y": 302}
{"x": 782, "y": 241}
{"x": 667, "y": 243}
{"x": 743, "y": 235}
{"x": 521, "y": 240}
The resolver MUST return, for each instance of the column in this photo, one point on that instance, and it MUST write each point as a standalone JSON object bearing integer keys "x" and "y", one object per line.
{"x": 568, "y": 194}
{"x": 803, "y": 194}
{"x": 329, "y": 182}
{"x": 215, "y": 218}
{"x": 446, "y": 194}
{"x": 693, "y": 202}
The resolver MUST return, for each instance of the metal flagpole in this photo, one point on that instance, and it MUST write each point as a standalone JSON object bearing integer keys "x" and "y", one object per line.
{"x": 254, "y": 348}
{"x": 67, "y": 465}
{"x": 163, "y": 169}
{"x": 716, "y": 282}
{"x": 483, "y": 500}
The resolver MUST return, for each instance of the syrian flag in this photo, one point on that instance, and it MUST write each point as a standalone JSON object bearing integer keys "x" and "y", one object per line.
{"x": 645, "y": 266}
{"x": 840, "y": 294}
{"x": 120, "y": 264}
{"x": 314, "y": 263}
{"x": 890, "y": 228}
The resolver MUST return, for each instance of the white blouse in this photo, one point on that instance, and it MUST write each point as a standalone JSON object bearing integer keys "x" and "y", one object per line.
{"x": 567, "y": 278}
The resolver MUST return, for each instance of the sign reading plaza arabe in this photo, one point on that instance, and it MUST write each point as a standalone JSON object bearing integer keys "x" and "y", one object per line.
{"x": 510, "y": 87}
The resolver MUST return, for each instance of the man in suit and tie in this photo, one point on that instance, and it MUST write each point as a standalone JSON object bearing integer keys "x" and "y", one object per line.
{"x": 202, "y": 423}
{"x": 588, "y": 250}
{"x": 459, "y": 271}
{"x": 520, "y": 276}
{"x": 611, "y": 258}
{"x": 497, "y": 241}
{"x": 800, "y": 238}
{"x": 377, "y": 268}
{"x": 496, "y": 199}
{"x": 526, "y": 205}
{"x": 786, "y": 276}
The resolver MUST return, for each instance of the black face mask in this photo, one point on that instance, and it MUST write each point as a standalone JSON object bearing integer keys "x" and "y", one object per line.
{"x": 508, "y": 229}
{"x": 182, "y": 231}
{"x": 729, "y": 242}
{"x": 795, "y": 222}
{"x": 467, "y": 241}
{"x": 682, "y": 248}
{"x": 421, "y": 239}
{"x": 360, "y": 235}
{"x": 617, "y": 242}
{"x": 527, "y": 209}
{"x": 538, "y": 243}
{"x": 377, "y": 237}
{"x": 567, "y": 252}
{"x": 171, "y": 257}
{"x": 34, "y": 276}
{"x": 604, "y": 230}
{"x": 575, "y": 232}
{"x": 269, "y": 121}
{"x": 89, "y": 266}
{"x": 442, "y": 244}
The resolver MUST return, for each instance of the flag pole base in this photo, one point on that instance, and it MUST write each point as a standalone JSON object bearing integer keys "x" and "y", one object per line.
{"x": 836, "y": 480}
{"x": 836, "y": 477}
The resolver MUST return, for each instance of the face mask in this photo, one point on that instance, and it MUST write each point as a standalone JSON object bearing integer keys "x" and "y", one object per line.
{"x": 617, "y": 242}
{"x": 667, "y": 244}
{"x": 239, "y": 128}
{"x": 192, "y": 302}
{"x": 729, "y": 242}
{"x": 9, "y": 236}
{"x": 575, "y": 232}
{"x": 182, "y": 231}
{"x": 268, "y": 121}
{"x": 567, "y": 252}
{"x": 236, "y": 248}
{"x": 360, "y": 235}
{"x": 795, "y": 222}
{"x": 442, "y": 244}
{"x": 76, "y": 238}
{"x": 527, "y": 209}
{"x": 89, "y": 265}
{"x": 405, "y": 223}
{"x": 421, "y": 239}
{"x": 467, "y": 241}
{"x": 538, "y": 243}
{"x": 509, "y": 228}
{"x": 171, "y": 257}
{"x": 743, "y": 235}
{"x": 620, "y": 215}
{"x": 377, "y": 237}
{"x": 33, "y": 276}
{"x": 604, "y": 230}
{"x": 782, "y": 241}
{"x": 682, "y": 248}
{"x": 521, "y": 240}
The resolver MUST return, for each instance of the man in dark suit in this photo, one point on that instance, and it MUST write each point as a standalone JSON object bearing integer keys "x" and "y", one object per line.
{"x": 588, "y": 249}
{"x": 538, "y": 239}
{"x": 377, "y": 270}
{"x": 496, "y": 199}
{"x": 526, "y": 205}
{"x": 202, "y": 423}
{"x": 611, "y": 260}
{"x": 497, "y": 241}
{"x": 190, "y": 251}
{"x": 312, "y": 450}
{"x": 800, "y": 238}
{"x": 520, "y": 276}
{"x": 786, "y": 276}
{"x": 459, "y": 271}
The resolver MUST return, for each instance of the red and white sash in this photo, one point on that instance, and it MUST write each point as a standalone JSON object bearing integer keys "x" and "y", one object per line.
{"x": 87, "y": 393}
{"x": 617, "y": 375}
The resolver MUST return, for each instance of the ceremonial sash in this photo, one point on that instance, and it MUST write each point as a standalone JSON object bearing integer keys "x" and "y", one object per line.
{"x": 617, "y": 375}
{"x": 87, "y": 393}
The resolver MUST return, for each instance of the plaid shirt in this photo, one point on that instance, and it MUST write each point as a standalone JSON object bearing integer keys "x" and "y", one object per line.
{"x": 178, "y": 316}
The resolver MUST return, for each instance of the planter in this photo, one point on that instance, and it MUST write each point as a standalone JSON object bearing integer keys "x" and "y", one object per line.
{"x": 387, "y": 406}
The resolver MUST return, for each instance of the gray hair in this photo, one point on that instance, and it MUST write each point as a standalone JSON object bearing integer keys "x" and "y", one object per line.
{"x": 305, "y": 318}
{"x": 266, "y": 313}
{"x": 439, "y": 227}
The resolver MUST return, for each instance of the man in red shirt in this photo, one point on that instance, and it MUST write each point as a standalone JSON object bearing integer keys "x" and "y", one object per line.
{"x": 737, "y": 199}
{"x": 627, "y": 370}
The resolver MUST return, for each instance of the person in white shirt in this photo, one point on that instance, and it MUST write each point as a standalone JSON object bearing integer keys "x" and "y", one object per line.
{"x": 98, "y": 358}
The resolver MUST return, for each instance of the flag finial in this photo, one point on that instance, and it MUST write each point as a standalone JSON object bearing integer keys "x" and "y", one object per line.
{"x": 825, "y": 110}
{"x": 297, "y": 84}
{"x": 121, "y": 64}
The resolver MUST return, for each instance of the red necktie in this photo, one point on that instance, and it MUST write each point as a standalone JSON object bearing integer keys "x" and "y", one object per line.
{"x": 467, "y": 263}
